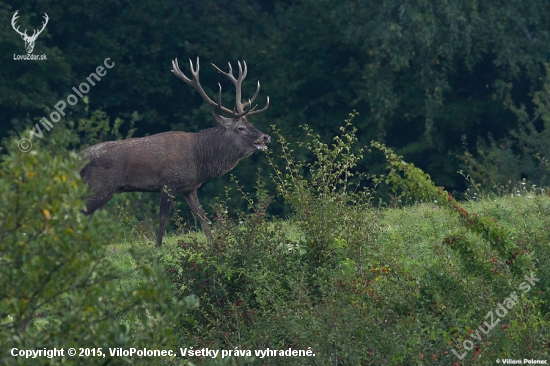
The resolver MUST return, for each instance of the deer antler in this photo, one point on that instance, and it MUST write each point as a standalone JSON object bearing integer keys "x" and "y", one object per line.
{"x": 195, "y": 83}
{"x": 238, "y": 84}
{"x": 241, "y": 108}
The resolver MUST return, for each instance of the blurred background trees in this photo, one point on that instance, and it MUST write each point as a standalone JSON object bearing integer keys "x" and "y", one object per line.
{"x": 440, "y": 81}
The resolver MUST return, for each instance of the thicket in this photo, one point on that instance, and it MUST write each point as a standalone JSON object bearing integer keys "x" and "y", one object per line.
{"x": 387, "y": 268}
{"x": 361, "y": 284}
{"x": 59, "y": 288}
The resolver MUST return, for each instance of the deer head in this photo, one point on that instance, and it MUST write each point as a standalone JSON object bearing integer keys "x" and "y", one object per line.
{"x": 29, "y": 40}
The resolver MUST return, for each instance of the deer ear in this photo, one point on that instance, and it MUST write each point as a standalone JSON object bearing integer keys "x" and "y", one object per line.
{"x": 224, "y": 121}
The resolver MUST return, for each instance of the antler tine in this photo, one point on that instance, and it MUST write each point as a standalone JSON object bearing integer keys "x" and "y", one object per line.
{"x": 238, "y": 92}
{"x": 220, "y": 95}
{"x": 195, "y": 83}
{"x": 176, "y": 70}
{"x": 193, "y": 71}
{"x": 229, "y": 74}
{"x": 238, "y": 85}
{"x": 243, "y": 71}
{"x": 249, "y": 103}
{"x": 254, "y": 111}
{"x": 238, "y": 89}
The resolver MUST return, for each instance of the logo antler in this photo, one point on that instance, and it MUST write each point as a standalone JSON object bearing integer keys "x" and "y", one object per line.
{"x": 29, "y": 40}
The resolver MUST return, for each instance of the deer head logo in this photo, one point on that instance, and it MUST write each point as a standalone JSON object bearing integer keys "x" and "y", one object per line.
{"x": 29, "y": 40}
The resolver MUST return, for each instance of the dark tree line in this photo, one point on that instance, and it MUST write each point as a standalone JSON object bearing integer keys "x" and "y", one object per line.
{"x": 422, "y": 74}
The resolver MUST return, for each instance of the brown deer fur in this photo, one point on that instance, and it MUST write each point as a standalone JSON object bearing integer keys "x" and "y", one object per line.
{"x": 172, "y": 163}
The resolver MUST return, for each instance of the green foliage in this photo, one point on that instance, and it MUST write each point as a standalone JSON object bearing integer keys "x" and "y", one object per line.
{"x": 84, "y": 130}
{"x": 266, "y": 284}
{"x": 452, "y": 295}
{"x": 59, "y": 288}
{"x": 420, "y": 75}
{"x": 414, "y": 184}
{"x": 359, "y": 284}
{"x": 327, "y": 200}
{"x": 135, "y": 210}
{"x": 522, "y": 155}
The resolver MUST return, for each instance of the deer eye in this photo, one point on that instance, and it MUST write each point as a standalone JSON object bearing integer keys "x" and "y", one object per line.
{"x": 241, "y": 128}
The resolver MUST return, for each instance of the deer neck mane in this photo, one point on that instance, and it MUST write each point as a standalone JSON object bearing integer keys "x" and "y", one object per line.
{"x": 216, "y": 152}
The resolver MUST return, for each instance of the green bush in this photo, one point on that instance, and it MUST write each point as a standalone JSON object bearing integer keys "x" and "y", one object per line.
{"x": 59, "y": 288}
{"x": 364, "y": 285}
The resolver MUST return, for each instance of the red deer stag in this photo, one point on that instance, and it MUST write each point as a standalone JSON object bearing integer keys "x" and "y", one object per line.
{"x": 176, "y": 162}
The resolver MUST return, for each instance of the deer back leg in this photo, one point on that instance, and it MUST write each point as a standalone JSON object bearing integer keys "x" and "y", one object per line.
{"x": 164, "y": 211}
{"x": 193, "y": 202}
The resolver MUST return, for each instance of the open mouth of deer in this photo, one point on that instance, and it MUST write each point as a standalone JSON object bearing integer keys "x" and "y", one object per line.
{"x": 260, "y": 146}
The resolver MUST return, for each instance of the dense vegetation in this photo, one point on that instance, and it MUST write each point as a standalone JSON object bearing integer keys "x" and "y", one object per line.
{"x": 425, "y": 77}
{"x": 410, "y": 281}
{"x": 392, "y": 252}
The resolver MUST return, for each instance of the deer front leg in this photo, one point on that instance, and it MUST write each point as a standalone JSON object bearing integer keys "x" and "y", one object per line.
{"x": 193, "y": 202}
{"x": 164, "y": 211}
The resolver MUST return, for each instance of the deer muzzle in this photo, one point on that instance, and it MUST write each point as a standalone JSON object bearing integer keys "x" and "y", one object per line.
{"x": 260, "y": 143}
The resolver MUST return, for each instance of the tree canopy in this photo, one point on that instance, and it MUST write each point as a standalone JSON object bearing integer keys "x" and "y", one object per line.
{"x": 425, "y": 76}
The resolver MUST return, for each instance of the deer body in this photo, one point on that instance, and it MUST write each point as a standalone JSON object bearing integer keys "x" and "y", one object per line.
{"x": 173, "y": 163}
